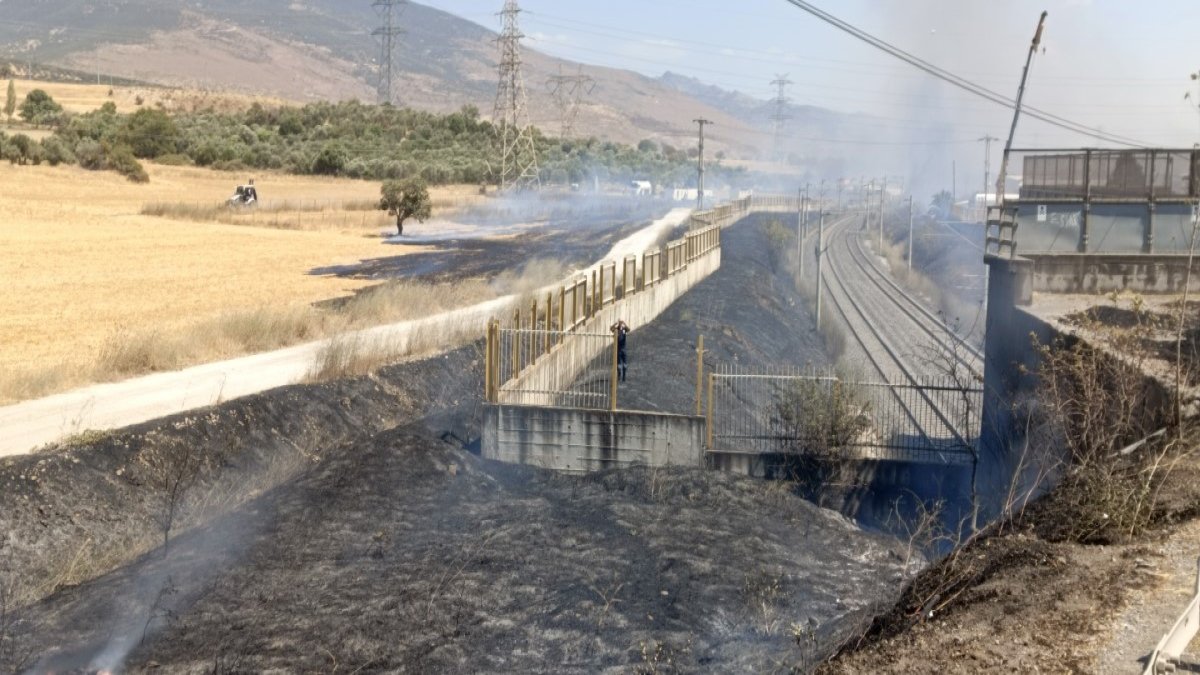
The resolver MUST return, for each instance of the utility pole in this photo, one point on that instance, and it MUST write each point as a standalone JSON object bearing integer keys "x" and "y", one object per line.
{"x": 518, "y": 154}
{"x": 800, "y": 230}
{"x": 882, "y": 197}
{"x": 820, "y": 255}
{"x": 804, "y": 202}
{"x": 839, "y": 202}
{"x": 910, "y": 232}
{"x": 953, "y": 186}
{"x": 1012, "y": 131}
{"x": 867, "y": 190}
{"x": 781, "y": 114}
{"x": 700, "y": 166}
{"x": 389, "y": 13}
{"x": 987, "y": 166}
{"x": 568, "y": 92}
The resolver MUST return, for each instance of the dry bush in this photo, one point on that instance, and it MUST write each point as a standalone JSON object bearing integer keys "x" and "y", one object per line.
{"x": 129, "y": 352}
{"x": 172, "y": 467}
{"x": 345, "y": 357}
{"x": 266, "y": 328}
{"x": 533, "y": 276}
{"x": 1092, "y": 404}
{"x": 403, "y": 300}
{"x": 22, "y": 384}
{"x": 820, "y": 419}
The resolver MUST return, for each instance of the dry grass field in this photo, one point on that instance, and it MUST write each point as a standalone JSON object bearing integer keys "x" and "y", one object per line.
{"x": 80, "y": 98}
{"x": 94, "y": 290}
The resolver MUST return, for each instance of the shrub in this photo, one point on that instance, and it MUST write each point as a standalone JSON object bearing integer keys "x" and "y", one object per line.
{"x": 90, "y": 154}
{"x": 331, "y": 161}
{"x": 39, "y": 108}
{"x": 56, "y": 152}
{"x": 121, "y": 160}
{"x": 149, "y": 133}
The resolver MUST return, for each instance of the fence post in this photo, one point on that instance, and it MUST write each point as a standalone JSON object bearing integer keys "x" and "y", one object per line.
{"x": 699, "y": 374}
{"x": 487, "y": 361}
{"x": 594, "y": 288}
{"x": 516, "y": 346}
{"x": 562, "y": 312}
{"x": 708, "y": 421}
{"x": 612, "y": 396}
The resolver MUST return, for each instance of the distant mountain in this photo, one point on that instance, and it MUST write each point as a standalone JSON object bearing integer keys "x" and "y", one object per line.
{"x": 307, "y": 50}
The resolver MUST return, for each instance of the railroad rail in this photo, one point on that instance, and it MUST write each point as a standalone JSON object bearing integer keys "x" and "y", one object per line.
{"x": 884, "y": 349}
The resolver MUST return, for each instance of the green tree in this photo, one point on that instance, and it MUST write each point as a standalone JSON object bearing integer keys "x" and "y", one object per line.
{"x": 149, "y": 133}
{"x": 406, "y": 199}
{"x": 39, "y": 108}
{"x": 10, "y": 103}
{"x": 331, "y": 161}
{"x": 943, "y": 203}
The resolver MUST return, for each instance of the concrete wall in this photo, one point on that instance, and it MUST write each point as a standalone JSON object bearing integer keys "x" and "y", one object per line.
{"x": 576, "y": 440}
{"x": 1102, "y": 273}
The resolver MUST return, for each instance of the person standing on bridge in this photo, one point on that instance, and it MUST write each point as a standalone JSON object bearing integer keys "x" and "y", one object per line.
{"x": 621, "y": 329}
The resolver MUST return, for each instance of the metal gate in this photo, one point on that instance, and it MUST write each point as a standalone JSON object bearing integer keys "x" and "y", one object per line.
{"x": 792, "y": 411}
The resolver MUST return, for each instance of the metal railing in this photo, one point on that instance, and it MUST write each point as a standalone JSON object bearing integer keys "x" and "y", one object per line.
{"x": 536, "y": 330}
{"x": 575, "y": 370}
{"x": 794, "y": 411}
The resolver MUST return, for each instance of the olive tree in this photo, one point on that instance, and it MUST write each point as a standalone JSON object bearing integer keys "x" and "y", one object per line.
{"x": 406, "y": 199}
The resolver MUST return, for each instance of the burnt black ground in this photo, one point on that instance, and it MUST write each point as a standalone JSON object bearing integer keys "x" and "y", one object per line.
{"x": 750, "y": 316}
{"x": 574, "y": 233}
{"x": 390, "y": 549}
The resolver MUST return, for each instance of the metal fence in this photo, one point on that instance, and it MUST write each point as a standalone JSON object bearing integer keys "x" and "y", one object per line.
{"x": 1144, "y": 173}
{"x": 791, "y": 411}
{"x": 574, "y": 370}
{"x": 542, "y": 334}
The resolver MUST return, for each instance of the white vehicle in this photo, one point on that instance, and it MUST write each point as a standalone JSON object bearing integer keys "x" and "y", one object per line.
{"x": 245, "y": 195}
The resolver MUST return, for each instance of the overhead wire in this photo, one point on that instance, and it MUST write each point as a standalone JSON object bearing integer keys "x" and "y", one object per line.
{"x": 960, "y": 82}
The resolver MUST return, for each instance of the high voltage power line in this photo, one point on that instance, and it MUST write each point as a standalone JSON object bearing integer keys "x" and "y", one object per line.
{"x": 389, "y": 13}
{"x": 960, "y": 82}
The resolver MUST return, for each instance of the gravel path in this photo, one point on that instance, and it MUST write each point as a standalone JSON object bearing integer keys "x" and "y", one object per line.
{"x": 1151, "y": 613}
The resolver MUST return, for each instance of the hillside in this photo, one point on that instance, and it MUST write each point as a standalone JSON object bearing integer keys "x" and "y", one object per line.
{"x": 322, "y": 49}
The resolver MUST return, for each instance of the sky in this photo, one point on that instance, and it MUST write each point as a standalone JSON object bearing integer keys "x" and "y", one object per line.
{"x": 1117, "y": 65}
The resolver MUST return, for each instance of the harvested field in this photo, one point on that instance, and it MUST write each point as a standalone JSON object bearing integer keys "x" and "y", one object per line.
{"x": 80, "y": 98}
{"x": 83, "y": 267}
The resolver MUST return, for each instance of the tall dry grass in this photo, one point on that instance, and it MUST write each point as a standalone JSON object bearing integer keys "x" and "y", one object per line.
{"x": 130, "y": 352}
{"x": 283, "y": 214}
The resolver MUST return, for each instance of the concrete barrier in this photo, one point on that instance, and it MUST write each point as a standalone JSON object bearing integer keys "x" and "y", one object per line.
{"x": 1091, "y": 273}
{"x": 579, "y": 441}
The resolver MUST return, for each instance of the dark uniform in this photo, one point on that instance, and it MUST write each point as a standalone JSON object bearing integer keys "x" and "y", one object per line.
{"x": 622, "y": 361}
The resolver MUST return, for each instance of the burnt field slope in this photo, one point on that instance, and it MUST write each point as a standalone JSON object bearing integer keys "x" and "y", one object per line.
{"x": 406, "y": 554}
{"x": 749, "y": 313}
{"x": 389, "y": 547}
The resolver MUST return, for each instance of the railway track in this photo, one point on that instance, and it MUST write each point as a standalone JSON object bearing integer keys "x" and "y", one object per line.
{"x": 904, "y": 343}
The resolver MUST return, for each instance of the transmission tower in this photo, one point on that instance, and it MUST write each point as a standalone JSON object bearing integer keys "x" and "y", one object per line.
{"x": 389, "y": 13}
{"x": 568, "y": 92}
{"x": 781, "y": 115}
{"x": 518, "y": 155}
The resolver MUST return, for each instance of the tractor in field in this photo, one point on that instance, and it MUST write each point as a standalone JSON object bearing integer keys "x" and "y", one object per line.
{"x": 244, "y": 196}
